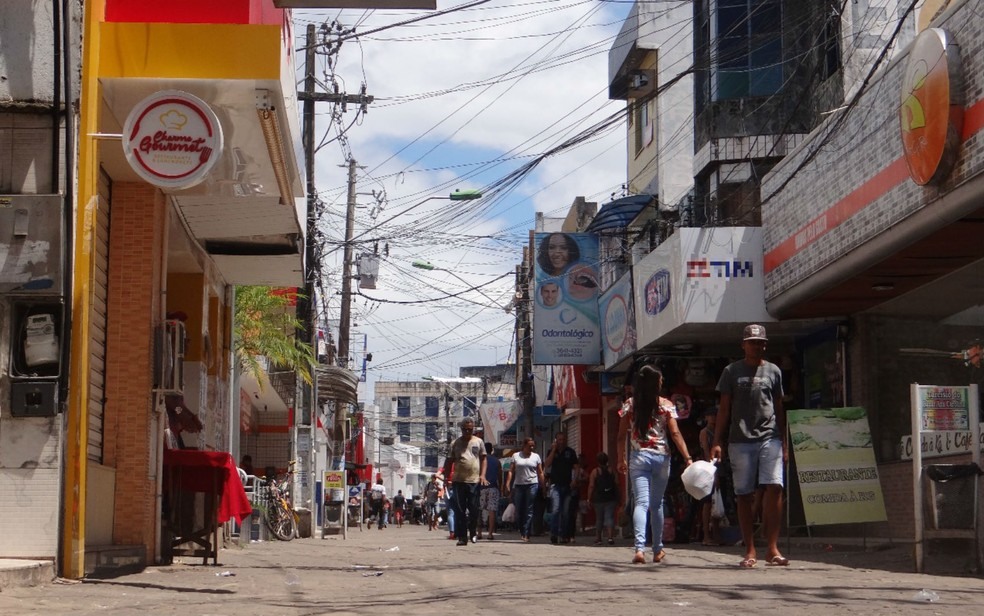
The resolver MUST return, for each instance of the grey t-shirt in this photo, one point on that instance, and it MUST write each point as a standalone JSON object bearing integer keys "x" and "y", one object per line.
{"x": 752, "y": 390}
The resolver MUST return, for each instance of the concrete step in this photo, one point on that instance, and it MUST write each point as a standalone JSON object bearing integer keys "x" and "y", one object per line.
{"x": 110, "y": 560}
{"x": 15, "y": 572}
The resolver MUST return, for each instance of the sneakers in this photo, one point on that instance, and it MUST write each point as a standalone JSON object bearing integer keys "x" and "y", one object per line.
{"x": 462, "y": 542}
{"x": 474, "y": 539}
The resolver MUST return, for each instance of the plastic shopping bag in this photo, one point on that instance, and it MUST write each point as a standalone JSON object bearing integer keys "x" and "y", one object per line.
{"x": 509, "y": 515}
{"x": 717, "y": 506}
{"x": 698, "y": 479}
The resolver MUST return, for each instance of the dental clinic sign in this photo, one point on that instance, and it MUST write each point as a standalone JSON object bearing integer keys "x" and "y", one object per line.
{"x": 172, "y": 139}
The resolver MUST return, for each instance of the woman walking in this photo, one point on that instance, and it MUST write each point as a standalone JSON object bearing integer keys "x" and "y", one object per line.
{"x": 527, "y": 469}
{"x": 648, "y": 419}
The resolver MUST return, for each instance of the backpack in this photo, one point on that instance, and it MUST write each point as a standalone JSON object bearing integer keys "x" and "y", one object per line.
{"x": 376, "y": 495}
{"x": 606, "y": 490}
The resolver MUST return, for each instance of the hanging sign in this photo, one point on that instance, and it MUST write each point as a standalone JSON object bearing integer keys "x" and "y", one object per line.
{"x": 172, "y": 139}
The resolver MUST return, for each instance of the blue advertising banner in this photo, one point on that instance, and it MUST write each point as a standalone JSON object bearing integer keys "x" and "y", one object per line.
{"x": 617, "y": 310}
{"x": 566, "y": 327}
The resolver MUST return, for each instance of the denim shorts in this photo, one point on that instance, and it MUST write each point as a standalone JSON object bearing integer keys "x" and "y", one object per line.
{"x": 755, "y": 464}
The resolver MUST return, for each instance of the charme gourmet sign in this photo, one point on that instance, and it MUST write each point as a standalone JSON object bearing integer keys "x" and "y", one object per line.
{"x": 172, "y": 139}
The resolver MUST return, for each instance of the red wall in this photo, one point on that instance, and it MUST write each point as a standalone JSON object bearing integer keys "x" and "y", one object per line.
{"x": 254, "y": 12}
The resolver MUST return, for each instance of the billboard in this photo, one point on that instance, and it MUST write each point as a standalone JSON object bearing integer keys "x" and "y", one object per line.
{"x": 565, "y": 305}
{"x": 618, "y": 333}
{"x": 700, "y": 275}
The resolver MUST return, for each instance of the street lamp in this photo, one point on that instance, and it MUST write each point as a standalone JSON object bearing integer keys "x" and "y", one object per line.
{"x": 430, "y": 267}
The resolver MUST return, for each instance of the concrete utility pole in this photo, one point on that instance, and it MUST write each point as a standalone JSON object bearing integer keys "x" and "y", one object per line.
{"x": 345, "y": 318}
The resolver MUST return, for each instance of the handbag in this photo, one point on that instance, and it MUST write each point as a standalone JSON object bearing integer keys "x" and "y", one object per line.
{"x": 509, "y": 515}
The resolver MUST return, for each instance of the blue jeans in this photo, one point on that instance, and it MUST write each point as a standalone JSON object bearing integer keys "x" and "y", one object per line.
{"x": 449, "y": 506}
{"x": 562, "y": 505}
{"x": 649, "y": 473}
{"x": 464, "y": 504}
{"x": 523, "y": 498}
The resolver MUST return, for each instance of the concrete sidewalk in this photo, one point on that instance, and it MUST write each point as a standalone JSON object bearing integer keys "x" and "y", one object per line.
{"x": 16, "y": 572}
{"x": 411, "y": 570}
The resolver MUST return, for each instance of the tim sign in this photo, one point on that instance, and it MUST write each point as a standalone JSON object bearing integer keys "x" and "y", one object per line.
{"x": 172, "y": 139}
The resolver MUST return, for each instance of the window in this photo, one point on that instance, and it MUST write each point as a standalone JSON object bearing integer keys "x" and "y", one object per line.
{"x": 430, "y": 432}
{"x": 430, "y": 460}
{"x": 403, "y": 406}
{"x": 468, "y": 406}
{"x": 642, "y": 126}
{"x": 432, "y": 407}
{"x": 746, "y": 53}
{"x": 403, "y": 431}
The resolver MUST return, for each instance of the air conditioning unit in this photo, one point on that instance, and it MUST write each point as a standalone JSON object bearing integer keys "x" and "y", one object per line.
{"x": 169, "y": 358}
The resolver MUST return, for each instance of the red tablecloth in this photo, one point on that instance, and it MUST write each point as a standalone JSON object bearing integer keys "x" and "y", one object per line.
{"x": 194, "y": 471}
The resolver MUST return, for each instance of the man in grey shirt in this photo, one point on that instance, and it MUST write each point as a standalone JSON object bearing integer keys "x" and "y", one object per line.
{"x": 752, "y": 415}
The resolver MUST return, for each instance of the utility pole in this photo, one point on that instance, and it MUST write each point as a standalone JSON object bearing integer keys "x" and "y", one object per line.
{"x": 345, "y": 320}
{"x": 524, "y": 331}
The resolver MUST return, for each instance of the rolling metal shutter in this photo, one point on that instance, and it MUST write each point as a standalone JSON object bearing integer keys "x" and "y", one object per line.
{"x": 97, "y": 319}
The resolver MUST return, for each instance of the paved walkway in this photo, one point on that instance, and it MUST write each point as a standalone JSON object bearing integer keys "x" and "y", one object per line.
{"x": 412, "y": 571}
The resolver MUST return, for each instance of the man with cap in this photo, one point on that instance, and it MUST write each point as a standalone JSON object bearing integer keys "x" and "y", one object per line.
{"x": 752, "y": 416}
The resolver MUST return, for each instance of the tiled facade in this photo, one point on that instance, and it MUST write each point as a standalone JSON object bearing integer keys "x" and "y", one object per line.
{"x": 848, "y": 154}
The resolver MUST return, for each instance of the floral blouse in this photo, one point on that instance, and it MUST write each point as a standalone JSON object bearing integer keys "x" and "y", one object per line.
{"x": 655, "y": 438}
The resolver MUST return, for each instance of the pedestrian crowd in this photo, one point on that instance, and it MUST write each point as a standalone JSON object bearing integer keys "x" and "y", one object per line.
{"x": 744, "y": 433}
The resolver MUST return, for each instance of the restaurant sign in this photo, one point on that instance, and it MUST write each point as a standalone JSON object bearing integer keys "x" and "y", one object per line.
{"x": 172, "y": 139}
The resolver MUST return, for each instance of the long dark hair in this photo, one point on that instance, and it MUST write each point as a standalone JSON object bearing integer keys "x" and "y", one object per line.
{"x": 645, "y": 398}
{"x": 543, "y": 252}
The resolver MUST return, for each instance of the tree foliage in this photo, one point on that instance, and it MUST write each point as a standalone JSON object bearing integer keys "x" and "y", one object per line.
{"x": 266, "y": 325}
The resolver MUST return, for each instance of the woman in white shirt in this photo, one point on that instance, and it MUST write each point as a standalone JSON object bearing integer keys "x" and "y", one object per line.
{"x": 527, "y": 468}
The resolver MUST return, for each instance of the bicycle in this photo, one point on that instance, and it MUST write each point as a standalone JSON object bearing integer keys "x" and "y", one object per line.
{"x": 279, "y": 513}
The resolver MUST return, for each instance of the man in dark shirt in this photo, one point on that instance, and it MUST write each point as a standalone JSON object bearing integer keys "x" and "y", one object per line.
{"x": 399, "y": 507}
{"x": 561, "y": 462}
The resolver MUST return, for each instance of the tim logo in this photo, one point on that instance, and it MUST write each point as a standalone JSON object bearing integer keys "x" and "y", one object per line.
{"x": 704, "y": 268}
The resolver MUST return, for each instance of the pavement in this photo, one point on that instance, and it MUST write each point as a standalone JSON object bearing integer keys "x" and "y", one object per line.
{"x": 411, "y": 570}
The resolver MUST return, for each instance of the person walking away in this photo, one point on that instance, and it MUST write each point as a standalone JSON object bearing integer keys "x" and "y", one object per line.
{"x": 580, "y": 498}
{"x": 752, "y": 415}
{"x": 377, "y": 500}
{"x": 399, "y": 507}
{"x": 489, "y": 498}
{"x": 648, "y": 419}
{"x": 603, "y": 495}
{"x": 432, "y": 492}
{"x": 526, "y": 478}
{"x": 468, "y": 461}
{"x": 562, "y": 462}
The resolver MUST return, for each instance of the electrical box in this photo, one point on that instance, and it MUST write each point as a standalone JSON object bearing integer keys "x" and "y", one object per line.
{"x": 36, "y": 339}
{"x": 31, "y": 240}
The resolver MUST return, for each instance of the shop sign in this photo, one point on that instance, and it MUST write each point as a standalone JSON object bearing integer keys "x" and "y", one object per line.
{"x": 931, "y": 111}
{"x": 172, "y": 139}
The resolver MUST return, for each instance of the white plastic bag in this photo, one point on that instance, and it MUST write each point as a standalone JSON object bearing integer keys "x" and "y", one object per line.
{"x": 717, "y": 506}
{"x": 509, "y": 515}
{"x": 698, "y": 479}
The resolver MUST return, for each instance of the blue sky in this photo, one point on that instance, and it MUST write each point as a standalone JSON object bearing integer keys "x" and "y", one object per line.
{"x": 505, "y": 80}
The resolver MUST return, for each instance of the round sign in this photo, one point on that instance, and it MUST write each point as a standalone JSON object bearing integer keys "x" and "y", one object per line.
{"x": 616, "y": 323}
{"x": 172, "y": 139}
{"x": 931, "y": 114}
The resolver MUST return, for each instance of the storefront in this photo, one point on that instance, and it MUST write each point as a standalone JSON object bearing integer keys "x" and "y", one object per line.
{"x": 876, "y": 220}
{"x": 189, "y": 176}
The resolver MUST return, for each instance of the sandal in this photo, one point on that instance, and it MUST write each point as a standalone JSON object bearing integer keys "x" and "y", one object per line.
{"x": 597, "y": 542}
{"x": 659, "y": 556}
{"x": 639, "y": 558}
{"x": 777, "y": 561}
{"x": 747, "y": 563}
{"x": 611, "y": 542}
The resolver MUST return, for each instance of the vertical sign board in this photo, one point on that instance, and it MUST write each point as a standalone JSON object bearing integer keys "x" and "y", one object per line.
{"x": 617, "y": 309}
{"x": 565, "y": 306}
{"x": 334, "y": 486}
{"x": 941, "y": 409}
{"x": 835, "y": 466}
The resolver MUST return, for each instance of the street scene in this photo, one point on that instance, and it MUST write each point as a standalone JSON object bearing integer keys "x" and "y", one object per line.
{"x": 365, "y": 574}
{"x": 491, "y": 306}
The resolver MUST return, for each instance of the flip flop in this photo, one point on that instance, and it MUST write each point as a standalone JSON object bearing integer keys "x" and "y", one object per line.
{"x": 659, "y": 556}
{"x": 777, "y": 561}
{"x": 748, "y": 563}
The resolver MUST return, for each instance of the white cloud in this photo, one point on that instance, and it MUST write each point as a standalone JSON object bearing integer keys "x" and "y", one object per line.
{"x": 510, "y": 117}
